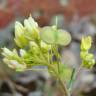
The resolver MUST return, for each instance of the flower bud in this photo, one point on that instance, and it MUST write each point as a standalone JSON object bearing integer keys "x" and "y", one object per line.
{"x": 33, "y": 44}
{"x": 22, "y": 52}
{"x": 83, "y": 54}
{"x": 45, "y": 46}
{"x": 32, "y": 30}
{"x": 88, "y": 61}
{"x": 86, "y": 43}
{"x": 7, "y": 53}
{"x": 14, "y": 64}
{"x": 20, "y": 39}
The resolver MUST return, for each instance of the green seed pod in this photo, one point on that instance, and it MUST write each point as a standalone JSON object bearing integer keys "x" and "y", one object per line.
{"x": 52, "y": 35}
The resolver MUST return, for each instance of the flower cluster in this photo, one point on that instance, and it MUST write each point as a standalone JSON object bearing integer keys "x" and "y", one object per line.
{"x": 13, "y": 60}
{"x": 26, "y": 38}
{"x": 87, "y": 58}
{"x": 23, "y": 34}
{"x": 34, "y": 45}
{"x": 38, "y": 46}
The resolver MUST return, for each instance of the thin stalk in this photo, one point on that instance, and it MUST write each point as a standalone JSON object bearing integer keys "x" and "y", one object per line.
{"x": 58, "y": 61}
{"x": 65, "y": 91}
{"x": 56, "y": 53}
{"x": 51, "y": 55}
{"x": 50, "y": 66}
{"x": 75, "y": 77}
{"x": 63, "y": 86}
{"x": 71, "y": 79}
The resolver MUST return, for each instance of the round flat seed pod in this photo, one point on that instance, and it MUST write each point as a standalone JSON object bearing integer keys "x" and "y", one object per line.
{"x": 52, "y": 35}
{"x": 64, "y": 38}
{"x": 47, "y": 34}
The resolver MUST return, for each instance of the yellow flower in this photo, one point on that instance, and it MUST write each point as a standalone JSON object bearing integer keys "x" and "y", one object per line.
{"x": 20, "y": 39}
{"x": 86, "y": 43}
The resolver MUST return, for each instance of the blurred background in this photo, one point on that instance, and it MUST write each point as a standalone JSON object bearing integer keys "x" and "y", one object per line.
{"x": 76, "y": 16}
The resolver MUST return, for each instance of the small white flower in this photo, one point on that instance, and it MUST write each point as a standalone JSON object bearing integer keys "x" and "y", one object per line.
{"x": 30, "y": 24}
{"x": 6, "y": 52}
{"x": 22, "y": 52}
{"x": 31, "y": 27}
{"x": 14, "y": 64}
{"x": 20, "y": 39}
{"x": 19, "y": 29}
{"x": 44, "y": 45}
{"x": 33, "y": 44}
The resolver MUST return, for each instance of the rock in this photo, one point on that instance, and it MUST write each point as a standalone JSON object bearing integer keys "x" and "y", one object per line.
{"x": 38, "y": 93}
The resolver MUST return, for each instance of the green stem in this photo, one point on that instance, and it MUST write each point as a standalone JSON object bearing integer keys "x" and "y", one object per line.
{"x": 75, "y": 77}
{"x": 63, "y": 86}
{"x": 71, "y": 79}
{"x": 58, "y": 61}
{"x": 50, "y": 66}
{"x": 65, "y": 91}
{"x": 51, "y": 55}
{"x": 56, "y": 53}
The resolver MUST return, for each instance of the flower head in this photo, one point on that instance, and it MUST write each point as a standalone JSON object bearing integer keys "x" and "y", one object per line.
{"x": 88, "y": 60}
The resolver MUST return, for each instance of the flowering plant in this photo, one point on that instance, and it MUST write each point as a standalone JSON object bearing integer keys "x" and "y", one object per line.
{"x": 38, "y": 46}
